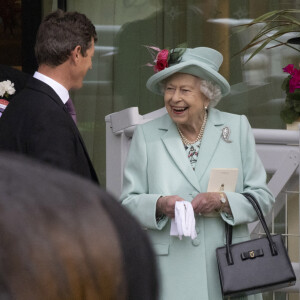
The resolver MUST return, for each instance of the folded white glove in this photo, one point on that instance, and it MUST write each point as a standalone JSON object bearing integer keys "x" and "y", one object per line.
{"x": 184, "y": 221}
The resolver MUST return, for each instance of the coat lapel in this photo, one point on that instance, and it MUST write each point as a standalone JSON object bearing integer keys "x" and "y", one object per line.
{"x": 40, "y": 86}
{"x": 175, "y": 148}
{"x": 210, "y": 141}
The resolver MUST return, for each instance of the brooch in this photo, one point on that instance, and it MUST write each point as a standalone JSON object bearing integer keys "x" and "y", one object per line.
{"x": 225, "y": 134}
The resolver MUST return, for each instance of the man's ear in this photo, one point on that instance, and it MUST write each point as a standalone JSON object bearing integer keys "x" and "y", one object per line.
{"x": 76, "y": 53}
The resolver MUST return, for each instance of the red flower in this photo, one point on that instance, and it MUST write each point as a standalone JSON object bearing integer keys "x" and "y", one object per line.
{"x": 289, "y": 69}
{"x": 161, "y": 60}
{"x": 294, "y": 81}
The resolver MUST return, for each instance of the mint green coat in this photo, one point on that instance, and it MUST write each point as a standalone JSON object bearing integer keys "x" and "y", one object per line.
{"x": 157, "y": 165}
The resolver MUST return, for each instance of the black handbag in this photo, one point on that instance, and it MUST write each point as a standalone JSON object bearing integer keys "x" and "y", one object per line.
{"x": 256, "y": 265}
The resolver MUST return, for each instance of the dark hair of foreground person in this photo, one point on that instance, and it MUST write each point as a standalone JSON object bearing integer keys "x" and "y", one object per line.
{"x": 63, "y": 237}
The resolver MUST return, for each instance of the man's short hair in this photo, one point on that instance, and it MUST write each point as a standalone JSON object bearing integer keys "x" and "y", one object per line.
{"x": 59, "y": 33}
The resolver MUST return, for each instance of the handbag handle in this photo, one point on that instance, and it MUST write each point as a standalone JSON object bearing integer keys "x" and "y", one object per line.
{"x": 228, "y": 229}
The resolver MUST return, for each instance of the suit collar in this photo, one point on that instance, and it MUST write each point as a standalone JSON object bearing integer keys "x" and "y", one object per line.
{"x": 59, "y": 89}
{"x": 210, "y": 141}
{"x": 44, "y": 88}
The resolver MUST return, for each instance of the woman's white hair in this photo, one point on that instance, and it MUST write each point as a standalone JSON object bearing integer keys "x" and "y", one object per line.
{"x": 210, "y": 90}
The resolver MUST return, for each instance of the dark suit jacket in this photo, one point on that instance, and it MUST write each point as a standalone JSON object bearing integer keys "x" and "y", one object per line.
{"x": 36, "y": 123}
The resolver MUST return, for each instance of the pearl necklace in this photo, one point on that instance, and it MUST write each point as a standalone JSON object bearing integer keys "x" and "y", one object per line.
{"x": 200, "y": 135}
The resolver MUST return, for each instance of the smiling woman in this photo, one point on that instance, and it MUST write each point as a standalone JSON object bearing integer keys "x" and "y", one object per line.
{"x": 168, "y": 169}
{"x": 186, "y": 104}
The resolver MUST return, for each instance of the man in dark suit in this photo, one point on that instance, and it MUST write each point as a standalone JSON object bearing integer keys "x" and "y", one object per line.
{"x": 38, "y": 122}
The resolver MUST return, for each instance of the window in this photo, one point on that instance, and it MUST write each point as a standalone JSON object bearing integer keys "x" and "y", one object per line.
{"x": 117, "y": 80}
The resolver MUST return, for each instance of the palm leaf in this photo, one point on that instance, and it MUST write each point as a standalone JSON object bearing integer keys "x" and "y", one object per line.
{"x": 280, "y": 21}
{"x": 284, "y": 44}
{"x": 266, "y": 16}
{"x": 258, "y": 49}
{"x": 293, "y": 20}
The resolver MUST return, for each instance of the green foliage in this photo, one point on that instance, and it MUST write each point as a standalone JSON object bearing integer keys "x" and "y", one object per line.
{"x": 291, "y": 110}
{"x": 276, "y": 23}
{"x": 294, "y": 96}
{"x": 285, "y": 84}
{"x": 175, "y": 54}
{"x": 289, "y": 115}
{"x": 296, "y": 106}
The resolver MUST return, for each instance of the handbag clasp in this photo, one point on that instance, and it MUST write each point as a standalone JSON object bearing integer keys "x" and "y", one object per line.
{"x": 252, "y": 254}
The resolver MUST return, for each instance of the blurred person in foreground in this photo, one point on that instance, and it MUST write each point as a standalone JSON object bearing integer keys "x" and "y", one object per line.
{"x": 168, "y": 170}
{"x": 41, "y": 121}
{"x": 64, "y": 238}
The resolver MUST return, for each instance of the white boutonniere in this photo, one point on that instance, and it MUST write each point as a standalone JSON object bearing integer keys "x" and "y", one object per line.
{"x": 6, "y": 88}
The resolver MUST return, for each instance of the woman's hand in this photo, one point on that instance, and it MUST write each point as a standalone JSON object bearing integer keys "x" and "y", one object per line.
{"x": 205, "y": 203}
{"x": 166, "y": 205}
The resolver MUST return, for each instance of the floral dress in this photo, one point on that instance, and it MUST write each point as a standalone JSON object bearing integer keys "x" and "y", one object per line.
{"x": 192, "y": 151}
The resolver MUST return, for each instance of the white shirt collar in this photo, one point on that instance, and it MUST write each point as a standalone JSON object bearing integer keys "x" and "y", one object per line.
{"x": 60, "y": 90}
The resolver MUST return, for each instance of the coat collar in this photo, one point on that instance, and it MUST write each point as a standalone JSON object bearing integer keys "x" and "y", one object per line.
{"x": 44, "y": 88}
{"x": 210, "y": 141}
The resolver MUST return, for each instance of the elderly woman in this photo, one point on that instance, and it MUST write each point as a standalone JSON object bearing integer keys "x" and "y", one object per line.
{"x": 171, "y": 159}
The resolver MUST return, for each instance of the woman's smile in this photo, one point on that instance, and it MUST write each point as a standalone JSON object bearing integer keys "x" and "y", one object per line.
{"x": 178, "y": 110}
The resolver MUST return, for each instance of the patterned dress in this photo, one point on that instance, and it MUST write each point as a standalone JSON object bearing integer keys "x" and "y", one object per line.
{"x": 193, "y": 152}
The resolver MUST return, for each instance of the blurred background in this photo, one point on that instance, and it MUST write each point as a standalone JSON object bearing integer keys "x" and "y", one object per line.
{"x": 117, "y": 80}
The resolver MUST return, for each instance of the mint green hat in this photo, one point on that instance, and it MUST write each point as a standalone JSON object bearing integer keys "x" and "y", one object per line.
{"x": 201, "y": 62}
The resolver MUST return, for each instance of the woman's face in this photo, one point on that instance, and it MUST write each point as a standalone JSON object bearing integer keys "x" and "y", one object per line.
{"x": 183, "y": 99}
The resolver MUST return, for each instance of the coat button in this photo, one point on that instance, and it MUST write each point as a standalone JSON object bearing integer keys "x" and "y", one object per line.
{"x": 196, "y": 242}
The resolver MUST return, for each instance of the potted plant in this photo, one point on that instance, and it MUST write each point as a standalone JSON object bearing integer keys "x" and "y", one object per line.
{"x": 291, "y": 85}
{"x": 275, "y": 24}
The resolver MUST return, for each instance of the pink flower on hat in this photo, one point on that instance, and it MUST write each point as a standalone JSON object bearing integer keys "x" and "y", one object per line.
{"x": 161, "y": 60}
{"x": 163, "y": 57}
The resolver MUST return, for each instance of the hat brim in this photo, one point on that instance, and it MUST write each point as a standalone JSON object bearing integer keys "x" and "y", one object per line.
{"x": 192, "y": 67}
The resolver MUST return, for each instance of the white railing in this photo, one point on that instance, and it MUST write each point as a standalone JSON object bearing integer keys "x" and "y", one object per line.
{"x": 279, "y": 151}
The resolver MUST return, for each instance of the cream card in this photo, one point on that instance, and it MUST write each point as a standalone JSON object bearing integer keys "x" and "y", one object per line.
{"x": 222, "y": 180}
